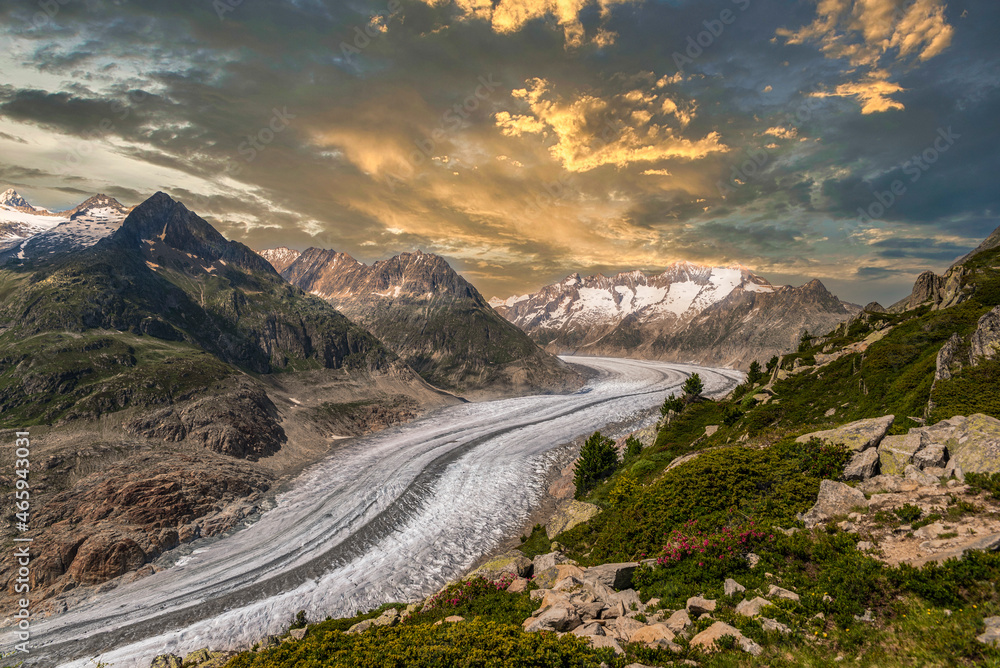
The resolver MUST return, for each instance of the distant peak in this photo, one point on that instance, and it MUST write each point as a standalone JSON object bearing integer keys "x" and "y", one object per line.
{"x": 11, "y": 198}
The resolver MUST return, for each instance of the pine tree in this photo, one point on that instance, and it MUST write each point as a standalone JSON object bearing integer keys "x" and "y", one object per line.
{"x": 754, "y": 374}
{"x": 598, "y": 460}
{"x": 693, "y": 387}
{"x": 772, "y": 364}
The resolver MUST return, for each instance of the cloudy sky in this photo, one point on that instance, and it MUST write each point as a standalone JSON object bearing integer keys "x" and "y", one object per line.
{"x": 528, "y": 139}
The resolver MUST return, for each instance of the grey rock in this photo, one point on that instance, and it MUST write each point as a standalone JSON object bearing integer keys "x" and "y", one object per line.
{"x": 949, "y": 361}
{"x": 991, "y": 636}
{"x": 298, "y": 634}
{"x": 933, "y": 455}
{"x": 556, "y": 618}
{"x": 985, "y": 342}
{"x": 835, "y": 498}
{"x": 774, "y": 625}
{"x": 916, "y": 475}
{"x": 590, "y": 629}
{"x": 615, "y": 576}
{"x": 775, "y": 590}
{"x": 544, "y": 562}
{"x": 896, "y": 453}
{"x": 752, "y": 608}
{"x": 706, "y": 639}
{"x": 731, "y": 587}
{"x": 863, "y": 465}
{"x": 678, "y": 621}
{"x": 696, "y": 605}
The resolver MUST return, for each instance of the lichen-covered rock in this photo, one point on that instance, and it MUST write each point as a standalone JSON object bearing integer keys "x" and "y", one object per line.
{"x": 835, "y": 498}
{"x": 543, "y": 562}
{"x": 570, "y": 514}
{"x": 896, "y": 453}
{"x": 550, "y": 576}
{"x": 859, "y": 435}
{"x": 167, "y": 661}
{"x": 752, "y": 608}
{"x": 512, "y": 563}
{"x": 779, "y": 592}
{"x": 975, "y": 446}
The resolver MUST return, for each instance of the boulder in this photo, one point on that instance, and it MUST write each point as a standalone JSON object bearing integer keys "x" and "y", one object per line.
{"x": 624, "y": 627}
{"x": 731, "y": 587}
{"x": 896, "y": 453}
{"x": 932, "y": 455}
{"x": 863, "y": 465}
{"x": 570, "y": 514}
{"x": 857, "y": 436}
{"x": 992, "y": 634}
{"x": 985, "y": 342}
{"x": 775, "y": 590}
{"x": 167, "y": 661}
{"x": 557, "y": 618}
{"x": 774, "y": 625}
{"x": 591, "y": 629}
{"x": 706, "y": 639}
{"x": 919, "y": 477}
{"x": 696, "y": 605}
{"x": 543, "y": 562}
{"x": 882, "y": 483}
{"x": 298, "y": 634}
{"x": 835, "y": 498}
{"x": 518, "y": 586}
{"x": 752, "y": 608}
{"x": 629, "y": 599}
{"x": 615, "y": 576}
{"x": 200, "y": 656}
{"x": 512, "y": 563}
{"x": 602, "y": 642}
{"x": 550, "y": 576}
{"x": 678, "y": 621}
{"x": 975, "y": 445}
{"x": 655, "y": 636}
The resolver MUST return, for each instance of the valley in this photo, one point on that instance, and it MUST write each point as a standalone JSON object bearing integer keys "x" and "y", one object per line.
{"x": 350, "y": 535}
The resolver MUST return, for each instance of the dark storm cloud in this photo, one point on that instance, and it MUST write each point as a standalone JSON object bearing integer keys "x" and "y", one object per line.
{"x": 373, "y": 158}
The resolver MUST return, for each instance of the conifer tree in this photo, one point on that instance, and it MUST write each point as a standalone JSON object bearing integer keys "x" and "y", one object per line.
{"x": 598, "y": 460}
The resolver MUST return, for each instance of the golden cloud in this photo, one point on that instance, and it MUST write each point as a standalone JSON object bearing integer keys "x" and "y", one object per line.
{"x": 589, "y": 131}
{"x": 509, "y": 16}
{"x": 872, "y": 35}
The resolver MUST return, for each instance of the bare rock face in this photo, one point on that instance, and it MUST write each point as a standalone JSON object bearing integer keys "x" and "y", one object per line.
{"x": 241, "y": 423}
{"x": 863, "y": 465}
{"x": 985, "y": 342}
{"x": 939, "y": 291}
{"x": 949, "y": 361}
{"x": 118, "y": 519}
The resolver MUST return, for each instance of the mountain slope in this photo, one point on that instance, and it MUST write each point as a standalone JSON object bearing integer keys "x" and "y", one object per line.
{"x": 171, "y": 378}
{"x": 280, "y": 258}
{"x": 434, "y": 319}
{"x": 688, "y": 313}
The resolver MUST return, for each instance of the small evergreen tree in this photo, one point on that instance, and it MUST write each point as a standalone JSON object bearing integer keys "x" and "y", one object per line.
{"x": 672, "y": 403}
{"x": 693, "y": 387}
{"x": 598, "y": 460}
{"x": 805, "y": 343}
{"x": 633, "y": 447}
{"x": 754, "y": 374}
{"x": 772, "y": 364}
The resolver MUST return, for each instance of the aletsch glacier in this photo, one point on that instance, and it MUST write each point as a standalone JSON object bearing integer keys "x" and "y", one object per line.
{"x": 390, "y": 517}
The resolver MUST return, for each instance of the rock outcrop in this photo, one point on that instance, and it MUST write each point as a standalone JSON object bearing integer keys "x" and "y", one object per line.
{"x": 835, "y": 498}
{"x": 857, "y": 436}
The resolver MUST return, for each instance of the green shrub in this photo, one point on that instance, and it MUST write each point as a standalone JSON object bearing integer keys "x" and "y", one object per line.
{"x": 598, "y": 460}
{"x": 908, "y": 513}
{"x": 824, "y": 460}
{"x": 633, "y": 448}
{"x": 474, "y": 643}
{"x": 988, "y": 482}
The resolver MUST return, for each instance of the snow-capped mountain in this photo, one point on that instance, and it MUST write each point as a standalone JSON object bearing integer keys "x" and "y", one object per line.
{"x": 689, "y": 312}
{"x": 431, "y": 317}
{"x": 79, "y": 227}
{"x": 19, "y": 220}
{"x": 280, "y": 258}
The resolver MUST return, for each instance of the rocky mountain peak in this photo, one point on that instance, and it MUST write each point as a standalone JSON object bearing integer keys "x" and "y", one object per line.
{"x": 100, "y": 204}
{"x": 280, "y": 258}
{"x": 161, "y": 222}
{"x": 12, "y": 199}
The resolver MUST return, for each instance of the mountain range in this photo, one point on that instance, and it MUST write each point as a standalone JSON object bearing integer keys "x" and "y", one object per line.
{"x": 433, "y": 318}
{"x": 30, "y": 232}
{"x": 719, "y": 316}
